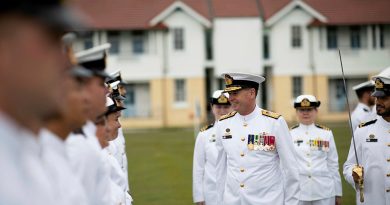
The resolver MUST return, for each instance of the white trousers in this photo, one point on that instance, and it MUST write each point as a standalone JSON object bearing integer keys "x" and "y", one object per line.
{"x": 327, "y": 201}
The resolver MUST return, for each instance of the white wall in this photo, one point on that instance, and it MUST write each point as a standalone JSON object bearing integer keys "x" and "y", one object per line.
{"x": 285, "y": 59}
{"x": 238, "y": 45}
{"x": 190, "y": 61}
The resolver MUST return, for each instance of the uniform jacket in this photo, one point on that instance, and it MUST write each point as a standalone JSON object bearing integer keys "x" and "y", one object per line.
{"x": 250, "y": 176}
{"x": 204, "y": 165}
{"x": 362, "y": 113}
{"x": 317, "y": 158}
{"x": 373, "y": 151}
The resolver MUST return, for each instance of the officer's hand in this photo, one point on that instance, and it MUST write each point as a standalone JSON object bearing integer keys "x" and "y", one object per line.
{"x": 338, "y": 200}
{"x": 357, "y": 173}
{"x": 200, "y": 203}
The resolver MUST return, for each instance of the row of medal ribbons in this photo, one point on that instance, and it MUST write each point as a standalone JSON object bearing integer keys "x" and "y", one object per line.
{"x": 320, "y": 145}
{"x": 261, "y": 142}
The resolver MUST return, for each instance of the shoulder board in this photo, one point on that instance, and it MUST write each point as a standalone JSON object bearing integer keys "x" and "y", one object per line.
{"x": 367, "y": 123}
{"x": 365, "y": 110}
{"x": 270, "y": 114}
{"x": 295, "y": 126}
{"x": 206, "y": 127}
{"x": 322, "y": 127}
{"x": 229, "y": 115}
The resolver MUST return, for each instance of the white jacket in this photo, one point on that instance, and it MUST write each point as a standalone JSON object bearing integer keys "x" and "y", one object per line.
{"x": 373, "y": 151}
{"x": 247, "y": 176}
{"x": 204, "y": 165}
{"x": 317, "y": 158}
{"x": 362, "y": 113}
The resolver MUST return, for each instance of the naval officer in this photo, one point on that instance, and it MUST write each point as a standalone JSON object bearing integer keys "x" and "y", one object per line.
{"x": 316, "y": 153}
{"x": 205, "y": 154}
{"x": 372, "y": 140}
{"x": 252, "y": 145}
{"x": 364, "y": 109}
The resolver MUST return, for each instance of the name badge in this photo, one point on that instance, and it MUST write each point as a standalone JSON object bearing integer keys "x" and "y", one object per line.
{"x": 227, "y": 137}
{"x": 371, "y": 138}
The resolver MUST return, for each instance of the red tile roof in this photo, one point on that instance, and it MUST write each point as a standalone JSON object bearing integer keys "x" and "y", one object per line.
{"x": 339, "y": 12}
{"x": 137, "y": 14}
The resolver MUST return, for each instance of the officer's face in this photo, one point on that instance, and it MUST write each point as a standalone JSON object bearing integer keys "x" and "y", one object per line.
{"x": 32, "y": 66}
{"x": 76, "y": 104}
{"x": 243, "y": 100}
{"x": 96, "y": 96}
{"x": 383, "y": 106}
{"x": 307, "y": 116}
{"x": 220, "y": 110}
{"x": 113, "y": 124}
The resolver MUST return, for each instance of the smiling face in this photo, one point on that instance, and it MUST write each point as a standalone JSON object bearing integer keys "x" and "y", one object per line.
{"x": 307, "y": 116}
{"x": 243, "y": 101}
{"x": 220, "y": 110}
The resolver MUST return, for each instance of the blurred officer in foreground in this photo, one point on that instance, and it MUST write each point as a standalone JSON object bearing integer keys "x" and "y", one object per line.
{"x": 372, "y": 140}
{"x": 67, "y": 186}
{"x": 316, "y": 153}
{"x": 252, "y": 146}
{"x": 32, "y": 70}
{"x": 205, "y": 154}
{"x": 364, "y": 109}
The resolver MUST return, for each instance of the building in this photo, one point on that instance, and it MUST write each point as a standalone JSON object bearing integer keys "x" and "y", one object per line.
{"x": 172, "y": 53}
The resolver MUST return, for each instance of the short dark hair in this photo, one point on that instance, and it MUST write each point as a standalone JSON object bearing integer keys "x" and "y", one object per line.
{"x": 361, "y": 92}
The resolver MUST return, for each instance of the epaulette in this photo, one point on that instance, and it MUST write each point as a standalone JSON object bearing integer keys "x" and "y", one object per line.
{"x": 322, "y": 127}
{"x": 295, "y": 126}
{"x": 229, "y": 115}
{"x": 206, "y": 127}
{"x": 270, "y": 114}
{"x": 367, "y": 123}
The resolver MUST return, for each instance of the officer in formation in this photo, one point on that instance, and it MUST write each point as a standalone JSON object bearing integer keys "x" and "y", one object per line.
{"x": 316, "y": 154}
{"x": 253, "y": 144}
{"x": 32, "y": 75}
{"x": 205, "y": 153}
{"x": 372, "y": 141}
{"x": 364, "y": 109}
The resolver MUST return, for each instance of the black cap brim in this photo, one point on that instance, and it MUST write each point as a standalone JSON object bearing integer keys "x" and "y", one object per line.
{"x": 80, "y": 72}
{"x": 378, "y": 93}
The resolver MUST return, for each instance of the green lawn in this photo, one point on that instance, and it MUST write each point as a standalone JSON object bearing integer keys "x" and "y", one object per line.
{"x": 160, "y": 165}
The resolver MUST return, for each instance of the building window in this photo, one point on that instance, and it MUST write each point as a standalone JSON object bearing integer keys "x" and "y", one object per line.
{"x": 138, "y": 41}
{"x": 297, "y": 86}
{"x": 266, "y": 47}
{"x": 180, "y": 90}
{"x": 178, "y": 38}
{"x": 337, "y": 94}
{"x": 355, "y": 37}
{"x": 209, "y": 44}
{"x": 381, "y": 36}
{"x": 296, "y": 34}
{"x": 88, "y": 41}
{"x": 331, "y": 37}
{"x": 113, "y": 39}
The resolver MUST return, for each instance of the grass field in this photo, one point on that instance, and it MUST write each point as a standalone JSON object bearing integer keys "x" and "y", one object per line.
{"x": 160, "y": 165}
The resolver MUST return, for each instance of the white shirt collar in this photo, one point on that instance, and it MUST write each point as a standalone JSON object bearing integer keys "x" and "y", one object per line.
{"x": 250, "y": 116}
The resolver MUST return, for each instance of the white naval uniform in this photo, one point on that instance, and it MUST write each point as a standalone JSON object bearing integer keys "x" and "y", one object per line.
{"x": 88, "y": 163}
{"x": 254, "y": 176}
{"x": 117, "y": 178}
{"x": 317, "y": 158}
{"x": 362, "y": 113}
{"x": 23, "y": 178}
{"x": 69, "y": 189}
{"x": 204, "y": 165}
{"x": 373, "y": 151}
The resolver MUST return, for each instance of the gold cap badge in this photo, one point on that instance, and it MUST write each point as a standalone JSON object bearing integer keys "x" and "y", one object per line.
{"x": 222, "y": 99}
{"x": 378, "y": 84}
{"x": 228, "y": 79}
{"x": 305, "y": 103}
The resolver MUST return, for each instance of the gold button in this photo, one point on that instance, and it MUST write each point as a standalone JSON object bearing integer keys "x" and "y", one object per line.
{"x": 309, "y": 176}
{"x": 242, "y": 170}
{"x": 241, "y": 185}
{"x": 242, "y": 138}
{"x": 388, "y": 145}
{"x": 242, "y": 154}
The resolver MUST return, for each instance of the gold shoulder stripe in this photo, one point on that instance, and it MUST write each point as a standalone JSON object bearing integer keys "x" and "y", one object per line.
{"x": 295, "y": 126}
{"x": 229, "y": 115}
{"x": 367, "y": 123}
{"x": 322, "y": 127}
{"x": 270, "y": 114}
{"x": 206, "y": 127}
